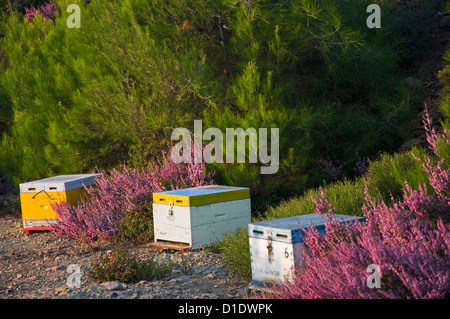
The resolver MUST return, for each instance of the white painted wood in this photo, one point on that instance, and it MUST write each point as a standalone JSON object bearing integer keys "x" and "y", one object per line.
{"x": 201, "y": 225}
{"x": 35, "y": 222}
{"x": 172, "y": 228}
{"x": 274, "y": 261}
{"x": 211, "y": 222}
{"x": 276, "y": 245}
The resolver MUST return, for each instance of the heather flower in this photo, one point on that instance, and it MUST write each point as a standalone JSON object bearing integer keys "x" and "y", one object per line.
{"x": 120, "y": 191}
{"x": 410, "y": 241}
{"x": 47, "y": 10}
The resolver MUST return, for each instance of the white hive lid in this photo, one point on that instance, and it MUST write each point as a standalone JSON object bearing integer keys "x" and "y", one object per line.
{"x": 60, "y": 183}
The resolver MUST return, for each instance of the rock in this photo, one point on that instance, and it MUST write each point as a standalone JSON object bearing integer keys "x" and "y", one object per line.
{"x": 183, "y": 278}
{"x": 113, "y": 285}
{"x": 135, "y": 295}
{"x": 111, "y": 294}
{"x": 55, "y": 268}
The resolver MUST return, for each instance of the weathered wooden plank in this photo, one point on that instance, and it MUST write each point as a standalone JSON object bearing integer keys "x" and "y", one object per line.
{"x": 167, "y": 245}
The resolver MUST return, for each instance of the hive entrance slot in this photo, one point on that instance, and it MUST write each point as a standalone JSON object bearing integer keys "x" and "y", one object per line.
{"x": 282, "y": 236}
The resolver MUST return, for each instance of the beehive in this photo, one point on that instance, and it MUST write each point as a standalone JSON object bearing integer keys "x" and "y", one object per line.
{"x": 275, "y": 246}
{"x": 198, "y": 216}
{"x": 37, "y": 197}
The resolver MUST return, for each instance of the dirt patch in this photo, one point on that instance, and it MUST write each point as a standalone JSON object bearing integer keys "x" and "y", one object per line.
{"x": 36, "y": 266}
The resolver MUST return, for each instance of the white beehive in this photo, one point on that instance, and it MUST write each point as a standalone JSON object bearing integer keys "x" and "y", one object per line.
{"x": 275, "y": 246}
{"x": 198, "y": 216}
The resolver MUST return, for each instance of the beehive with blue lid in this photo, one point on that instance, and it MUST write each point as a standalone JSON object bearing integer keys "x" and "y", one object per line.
{"x": 276, "y": 246}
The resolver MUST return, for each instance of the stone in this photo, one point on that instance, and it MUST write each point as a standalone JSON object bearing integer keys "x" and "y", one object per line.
{"x": 183, "y": 278}
{"x": 135, "y": 295}
{"x": 113, "y": 285}
{"x": 111, "y": 294}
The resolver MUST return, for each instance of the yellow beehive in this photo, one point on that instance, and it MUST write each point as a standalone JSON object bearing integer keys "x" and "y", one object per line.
{"x": 37, "y": 197}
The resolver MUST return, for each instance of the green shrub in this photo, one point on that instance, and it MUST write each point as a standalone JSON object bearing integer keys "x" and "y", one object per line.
{"x": 122, "y": 266}
{"x": 235, "y": 249}
{"x": 348, "y": 197}
{"x": 136, "y": 225}
{"x": 113, "y": 90}
{"x": 411, "y": 23}
{"x": 385, "y": 176}
{"x": 96, "y": 97}
{"x": 444, "y": 101}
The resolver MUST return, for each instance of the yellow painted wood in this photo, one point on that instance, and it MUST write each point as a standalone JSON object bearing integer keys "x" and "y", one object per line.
{"x": 189, "y": 201}
{"x": 39, "y": 205}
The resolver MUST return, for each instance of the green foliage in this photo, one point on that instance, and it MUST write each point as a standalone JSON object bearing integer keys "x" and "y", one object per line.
{"x": 113, "y": 90}
{"x": 98, "y": 95}
{"x": 122, "y": 266}
{"x": 292, "y": 53}
{"x": 348, "y": 197}
{"x": 444, "y": 106}
{"x": 235, "y": 249}
{"x": 385, "y": 177}
{"x": 136, "y": 225}
{"x": 411, "y": 23}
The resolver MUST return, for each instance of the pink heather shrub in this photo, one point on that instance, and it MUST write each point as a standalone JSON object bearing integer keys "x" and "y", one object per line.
{"x": 410, "y": 242}
{"x": 120, "y": 191}
{"x": 47, "y": 10}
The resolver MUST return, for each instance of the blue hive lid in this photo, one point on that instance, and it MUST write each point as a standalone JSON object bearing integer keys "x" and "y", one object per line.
{"x": 289, "y": 229}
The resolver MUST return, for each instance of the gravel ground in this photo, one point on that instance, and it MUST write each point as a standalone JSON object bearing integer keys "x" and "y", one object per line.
{"x": 35, "y": 266}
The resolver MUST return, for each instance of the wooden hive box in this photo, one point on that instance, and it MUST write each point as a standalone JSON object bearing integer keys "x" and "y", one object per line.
{"x": 275, "y": 246}
{"x": 198, "y": 216}
{"x": 37, "y": 197}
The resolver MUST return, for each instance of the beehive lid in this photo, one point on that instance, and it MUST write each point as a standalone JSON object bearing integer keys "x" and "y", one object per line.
{"x": 61, "y": 183}
{"x": 203, "y": 195}
{"x": 289, "y": 229}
